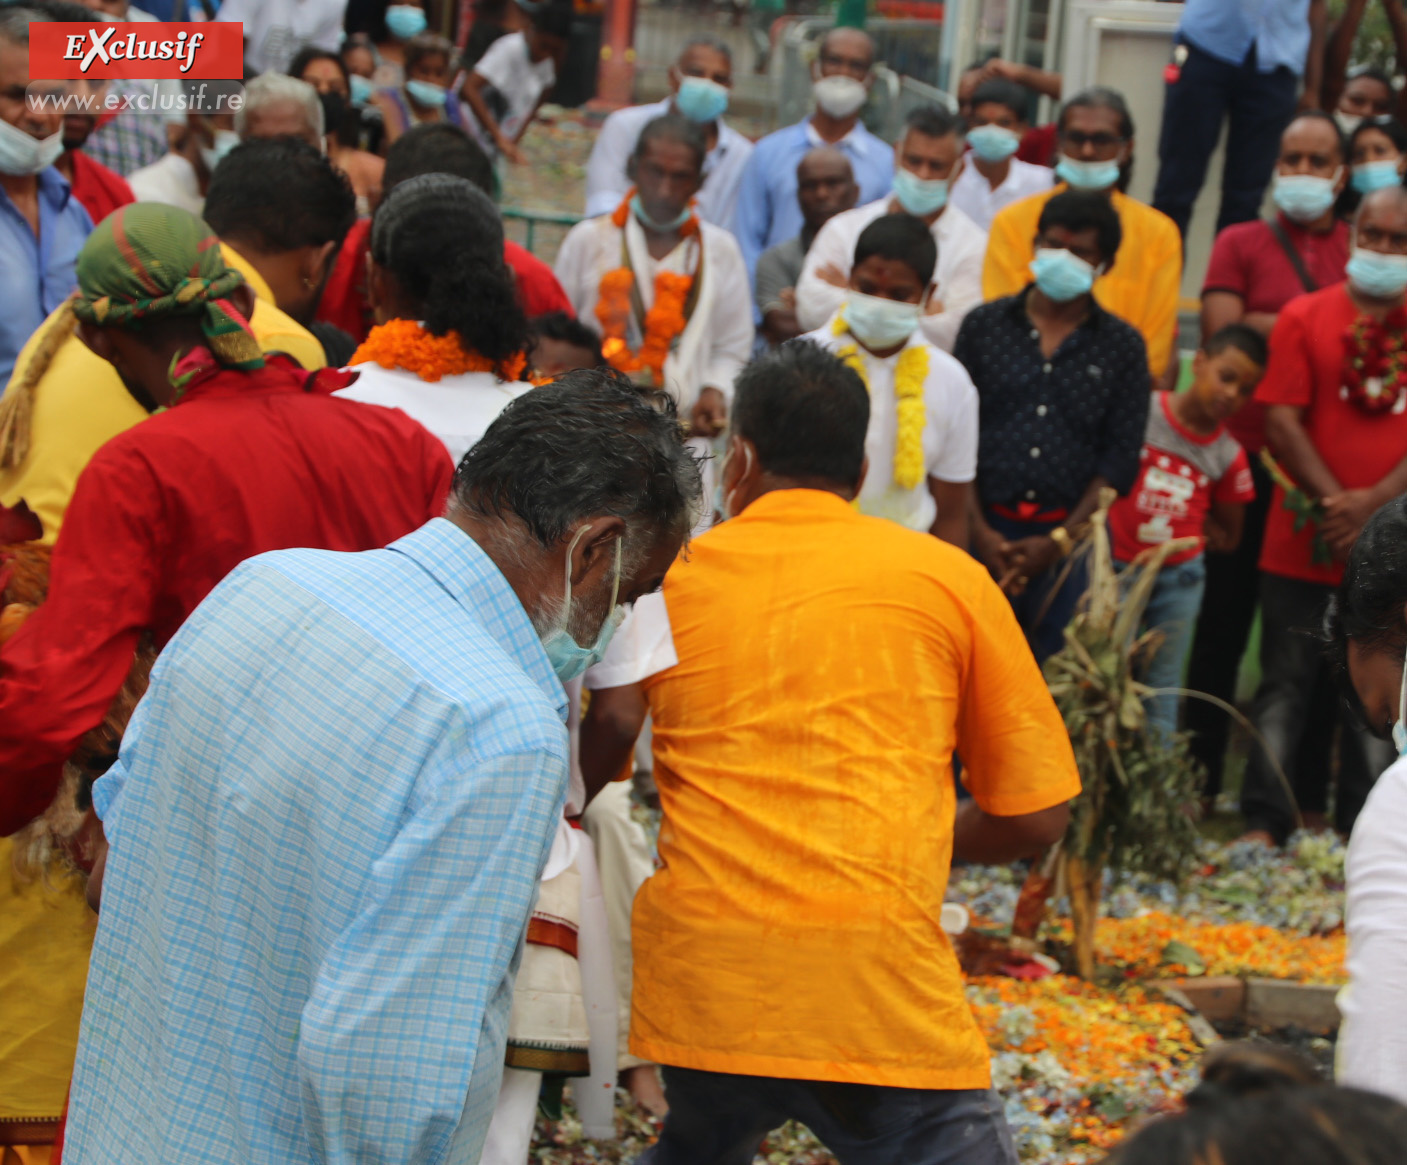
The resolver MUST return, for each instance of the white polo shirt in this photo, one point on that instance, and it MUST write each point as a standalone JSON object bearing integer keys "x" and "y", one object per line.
{"x": 949, "y": 429}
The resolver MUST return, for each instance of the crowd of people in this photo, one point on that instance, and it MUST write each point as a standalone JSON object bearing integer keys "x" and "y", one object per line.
{"x": 392, "y": 542}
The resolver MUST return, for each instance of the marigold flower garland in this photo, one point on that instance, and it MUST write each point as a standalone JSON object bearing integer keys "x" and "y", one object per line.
{"x": 664, "y": 321}
{"x": 910, "y": 374}
{"x": 410, "y": 346}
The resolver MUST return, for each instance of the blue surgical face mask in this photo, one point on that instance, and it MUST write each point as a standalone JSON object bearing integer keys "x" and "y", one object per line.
{"x": 22, "y": 155}
{"x": 1080, "y": 175}
{"x": 1304, "y": 197}
{"x": 225, "y": 141}
{"x": 880, "y": 323}
{"x": 427, "y": 93}
{"x": 1061, "y": 275}
{"x": 1377, "y": 275}
{"x": 920, "y": 196}
{"x": 993, "y": 143}
{"x": 701, "y": 100}
{"x": 1370, "y": 176}
{"x": 404, "y": 21}
{"x": 362, "y": 88}
{"x": 569, "y": 658}
{"x": 1399, "y": 730}
{"x": 637, "y": 208}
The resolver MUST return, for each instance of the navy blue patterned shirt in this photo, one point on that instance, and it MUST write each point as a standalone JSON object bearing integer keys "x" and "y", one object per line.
{"x": 1047, "y": 427}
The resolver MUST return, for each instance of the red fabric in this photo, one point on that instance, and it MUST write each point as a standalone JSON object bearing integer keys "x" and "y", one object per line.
{"x": 1247, "y": 261}
{"x": 344, "y": 300}
{"x": 100, "y": 190}
{"x": 1162, "y": 492}
{"x": 1038, "y": 145}
{"x": 244, "y": 463}
{"x": 1359, "y": 448}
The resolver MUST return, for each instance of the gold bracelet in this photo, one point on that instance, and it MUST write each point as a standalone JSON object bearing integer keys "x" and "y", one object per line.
{"x": 1063, "y": 542}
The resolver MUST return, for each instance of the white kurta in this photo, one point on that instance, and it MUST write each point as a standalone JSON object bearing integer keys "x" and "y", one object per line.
{"x": 980, "y": 200}
{"x": 957, "y": 280}
{"x": 718, "y": 339}
{"x": 949, "y": 430}
{"x": 457, "y": 409}
{"x": 1372, "y": 1048}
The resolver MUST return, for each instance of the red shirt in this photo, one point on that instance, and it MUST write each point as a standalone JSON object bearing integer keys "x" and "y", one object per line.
{"x": 344, "y": 301}
{"x": 100, "y": 190}
{"x": 1181, "y": 476}
{"x": 1038, "y": 145}
{"x": 243, "y": 463}
{"x": 1359, "y": 448}
{"x": 1247, "y": 261}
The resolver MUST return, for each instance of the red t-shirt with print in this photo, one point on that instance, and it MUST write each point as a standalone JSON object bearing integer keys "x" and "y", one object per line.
{"x": 1358, "y": 447}
{"x": 1182, "y": 475}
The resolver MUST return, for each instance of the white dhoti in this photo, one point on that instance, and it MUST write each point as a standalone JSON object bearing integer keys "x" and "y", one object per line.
{"x": 546, "y": 1020}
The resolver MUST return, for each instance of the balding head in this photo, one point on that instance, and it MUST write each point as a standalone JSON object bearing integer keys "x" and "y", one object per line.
{"x": 1381, "y": 222}
{"x": 825, "y": 186}
{"x": 847, "y": 52}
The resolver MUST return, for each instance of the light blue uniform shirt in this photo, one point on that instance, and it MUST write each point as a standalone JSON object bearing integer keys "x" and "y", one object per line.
{"x": 327, "y": 826}
{"x": 767, "y": 211}
{"x": 37, "y": 274}
{"x": 1226, "y": 29}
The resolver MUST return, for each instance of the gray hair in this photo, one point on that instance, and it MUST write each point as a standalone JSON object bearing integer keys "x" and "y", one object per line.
{"x": 271, "y": 88}
{"x": 15, "y": 22}
{"x": 708, "y": 42}
{"x": 589, "y": 443}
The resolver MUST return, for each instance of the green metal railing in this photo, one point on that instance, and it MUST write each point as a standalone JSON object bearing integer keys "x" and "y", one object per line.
{"x": 532, "y": 219}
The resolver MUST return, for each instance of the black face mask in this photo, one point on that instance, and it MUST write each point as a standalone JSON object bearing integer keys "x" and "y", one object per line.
{"x": 334, "y": 109}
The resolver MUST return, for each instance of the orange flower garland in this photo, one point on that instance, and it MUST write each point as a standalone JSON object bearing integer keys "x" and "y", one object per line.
{"x": 408, "y": 345}
{"x": 664, "y": 321}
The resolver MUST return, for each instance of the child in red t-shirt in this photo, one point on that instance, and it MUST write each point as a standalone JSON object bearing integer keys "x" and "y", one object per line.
{"x": 1194, "y": 482}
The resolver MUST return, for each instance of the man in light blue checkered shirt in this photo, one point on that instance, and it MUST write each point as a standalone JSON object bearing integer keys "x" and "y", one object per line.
{"x": 332, "y": 808}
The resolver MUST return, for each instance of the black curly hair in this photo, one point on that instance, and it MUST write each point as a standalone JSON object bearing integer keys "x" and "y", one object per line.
{"x": 441, "y": 238}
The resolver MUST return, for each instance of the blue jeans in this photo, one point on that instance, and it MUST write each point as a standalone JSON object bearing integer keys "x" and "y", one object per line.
{"x": 716, "y": 1118}
{"x": 1259, "y": 105}
{"x": 1044, "y": 609}
{"x": 1172, "y": 609}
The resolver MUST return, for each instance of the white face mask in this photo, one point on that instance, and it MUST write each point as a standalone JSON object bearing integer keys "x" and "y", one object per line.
{"x": 22, "y": 155}
{"x": 839, "y": 96}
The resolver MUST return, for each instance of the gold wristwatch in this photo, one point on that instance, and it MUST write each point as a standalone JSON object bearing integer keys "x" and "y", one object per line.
{"x": 1063, "y": 542}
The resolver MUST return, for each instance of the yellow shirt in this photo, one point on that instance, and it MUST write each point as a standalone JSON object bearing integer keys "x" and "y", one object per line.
{"x": 80, "y": 404}
{"x": 829, "y": 664}
{"x": 1141, "y": 286}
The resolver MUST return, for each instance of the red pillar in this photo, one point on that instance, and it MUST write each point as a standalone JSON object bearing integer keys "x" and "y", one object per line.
{"x": 615, "y": 76}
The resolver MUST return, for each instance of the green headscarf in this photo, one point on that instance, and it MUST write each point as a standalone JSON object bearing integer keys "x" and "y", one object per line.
{"x": 148, "y": 261}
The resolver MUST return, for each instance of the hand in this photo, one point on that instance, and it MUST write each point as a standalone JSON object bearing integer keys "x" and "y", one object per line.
{"x": 987, "y": 548}
{"x": 511, "y": 151}
{"x": 833, "y": 275}
{"x": 1345, "y": 515}
{"x": 1027, "y": 558}
{"x": 787, "y": 298}
{"x": 710, "y": 415}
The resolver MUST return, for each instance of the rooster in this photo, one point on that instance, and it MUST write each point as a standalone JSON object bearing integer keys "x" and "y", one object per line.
{"x": 67, "y": 831}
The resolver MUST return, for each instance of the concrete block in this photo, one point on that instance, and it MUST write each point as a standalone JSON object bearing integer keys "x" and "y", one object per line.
{"x": 1271, "y": 1003}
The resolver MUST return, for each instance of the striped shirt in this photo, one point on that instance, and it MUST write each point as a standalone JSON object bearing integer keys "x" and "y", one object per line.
{"x": 326, "y": 826}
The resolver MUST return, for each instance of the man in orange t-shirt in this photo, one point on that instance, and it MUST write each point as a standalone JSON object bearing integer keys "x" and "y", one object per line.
{"x": 789, "y": 962}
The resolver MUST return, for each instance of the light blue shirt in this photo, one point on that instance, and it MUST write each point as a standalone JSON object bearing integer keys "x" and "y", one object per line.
{"x": 327, "y": 825}
{"x": 37, "y": 274}
{"x": 1226, "y": 29}
{"x": 768, "y": 213}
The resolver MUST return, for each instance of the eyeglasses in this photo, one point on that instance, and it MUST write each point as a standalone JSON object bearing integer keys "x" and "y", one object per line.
{"x": 1100, "y": 141}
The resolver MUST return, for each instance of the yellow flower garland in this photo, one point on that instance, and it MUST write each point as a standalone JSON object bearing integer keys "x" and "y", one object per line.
{"x": 910, "y": 374}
